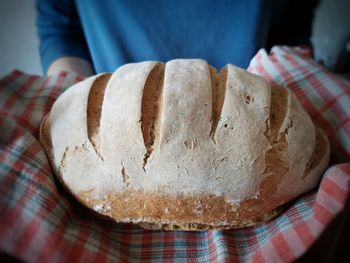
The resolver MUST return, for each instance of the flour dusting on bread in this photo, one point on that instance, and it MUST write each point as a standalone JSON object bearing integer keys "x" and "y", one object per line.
{"x": 181, "y": 145}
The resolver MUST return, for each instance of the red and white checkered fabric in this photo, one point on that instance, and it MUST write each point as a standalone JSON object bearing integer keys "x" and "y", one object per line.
{"x": 40, "y": 222}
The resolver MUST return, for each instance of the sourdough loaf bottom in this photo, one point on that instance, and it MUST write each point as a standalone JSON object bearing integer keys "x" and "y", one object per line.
{"x": 254, "y": 149}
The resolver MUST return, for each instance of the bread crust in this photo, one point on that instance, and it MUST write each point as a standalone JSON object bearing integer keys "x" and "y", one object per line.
{"x": 280, "y": 170}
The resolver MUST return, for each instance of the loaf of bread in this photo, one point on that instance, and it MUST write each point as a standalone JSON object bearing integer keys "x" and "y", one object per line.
{"x": 182, "y": 146}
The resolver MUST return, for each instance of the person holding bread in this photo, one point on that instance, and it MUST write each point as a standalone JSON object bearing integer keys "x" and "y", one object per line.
{"x": 192, "y": 146}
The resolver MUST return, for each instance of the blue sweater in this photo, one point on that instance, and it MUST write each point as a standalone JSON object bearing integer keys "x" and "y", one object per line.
{"x": 110, "y": 33}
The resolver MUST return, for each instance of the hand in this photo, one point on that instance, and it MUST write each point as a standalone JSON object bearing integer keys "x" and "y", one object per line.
{"x": 77, "y": 65}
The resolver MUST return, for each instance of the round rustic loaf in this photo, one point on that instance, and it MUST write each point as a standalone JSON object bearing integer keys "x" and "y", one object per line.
{"x": 182, "y": 146}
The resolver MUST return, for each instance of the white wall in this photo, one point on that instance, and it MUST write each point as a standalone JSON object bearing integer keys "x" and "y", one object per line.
{"x": 18, "y": 38}
{"x": 331, "y": 30}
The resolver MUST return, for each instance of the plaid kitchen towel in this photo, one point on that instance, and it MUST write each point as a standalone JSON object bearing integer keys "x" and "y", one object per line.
{"x": 40, "y": 222}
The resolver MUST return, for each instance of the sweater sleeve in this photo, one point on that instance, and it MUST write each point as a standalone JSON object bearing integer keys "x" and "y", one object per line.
{"x": 60, "y": 32}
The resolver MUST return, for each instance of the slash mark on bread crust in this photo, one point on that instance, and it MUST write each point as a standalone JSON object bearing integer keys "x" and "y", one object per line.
{"x": 218, "y": 84}
{"x": 151, "y": 110}
{"x": 278, "y": 110}
{"x": 319, "y": 150}
{"x": 64, "y": 156}
{"x": 125, "y": 176}
{"x": 94, "y": 108}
